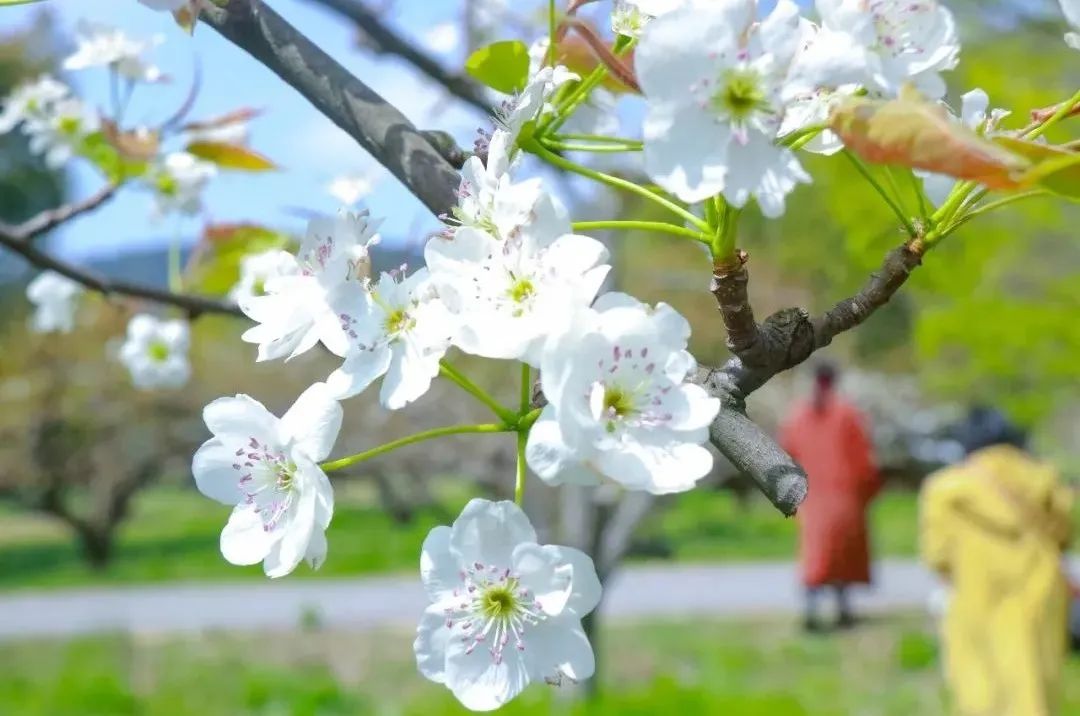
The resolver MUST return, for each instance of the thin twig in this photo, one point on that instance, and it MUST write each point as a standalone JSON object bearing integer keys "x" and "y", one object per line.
{"x": 48, "y": 220}
{"x": 194, "y": 305}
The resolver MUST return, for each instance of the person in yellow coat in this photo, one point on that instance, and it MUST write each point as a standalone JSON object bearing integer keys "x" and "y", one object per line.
{"x": 994, "y": 527}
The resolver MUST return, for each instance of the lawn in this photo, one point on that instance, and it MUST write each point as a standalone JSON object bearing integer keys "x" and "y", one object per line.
{"x": 884, "y": 668}
{"x": 173, "y": 534}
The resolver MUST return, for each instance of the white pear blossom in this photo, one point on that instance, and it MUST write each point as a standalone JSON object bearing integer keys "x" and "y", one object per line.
{"x": 178, "y": 182}
{"x": 268, "y": 468}
{"x": 713, "y": 82}
{"x": 397, "y": 328}
{"x": 31, "y": 100}
{"x": 300, "y": 307}
{"x": 1071, "y": 8}
{"x": 156, "y": 352}
{"x": 528, "y": 105}
{"x": 620, "y": 406}
{"x": 59, "y": 134}
{"x": 629, "y": 17}
{"x": 349, "y": 189}
{"x": 237, "y": 132}
{"x": 510, "y": 294}
{"x": 444, "y": 38}
{"x": 596, "y": 115}
{"x": 974, "y": 115}
{"x": 900, "y": 41}
{"x": 505, "y": 611}
{"x": 257, "y": 270}
{"x": 104, "y": 46}
{"x": 55, "y": 299}
{"x": 490, "y": 200}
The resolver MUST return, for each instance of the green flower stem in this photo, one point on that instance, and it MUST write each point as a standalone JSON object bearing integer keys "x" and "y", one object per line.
{"x": 953, "y": 202}
{"x": 801, "y": 137}
{"x": 573, "y": 100}
{"x": 660, "y": 226}
{"x": 594, "y": 148}
{"x": 935, "y": 237}
{"x": 552, "y": 29}
{"x": 344, "y": 462}
{"x": 897, "y": 209}
{"x": 1062, "y": 111}
{"x": 526, "y": 390}
{"x": 597, "y": 138}
{"x": 519, "y": 482}
{"x": 562, "y": 163}
{"x": 726, "y": 222}
{"x": 920, "y": 195}
{"x": 509, "y": 417}
{"x": 523, "y": 428}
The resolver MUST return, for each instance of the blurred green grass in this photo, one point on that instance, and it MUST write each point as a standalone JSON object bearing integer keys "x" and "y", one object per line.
{"x": 736, "y": 669}
{"x": 173, "y": 535}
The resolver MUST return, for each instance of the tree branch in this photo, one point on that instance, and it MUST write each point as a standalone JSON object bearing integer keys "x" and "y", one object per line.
{"x": 194, "y": 305}
{"x": 783, "y": 341}
{"x": 790, "y": 336}
{"x": 387, "y": 41}
{"x": 373, "y": 122}
{"x": 49, "y": 220}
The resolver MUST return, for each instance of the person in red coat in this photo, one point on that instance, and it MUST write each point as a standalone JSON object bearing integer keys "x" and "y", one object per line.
{"x": 829, "y": 438}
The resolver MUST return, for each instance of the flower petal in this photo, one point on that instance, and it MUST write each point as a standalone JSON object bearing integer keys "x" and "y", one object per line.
{"x": 439, "y": 566}
{"x": 215, "y": 476}
{"x": 241, "y": 416}
{"x": 432, "y": 638}
{"x": 313, "y": 422}
{"x": 487, "y": 532}
{"x": 244, "y": 541}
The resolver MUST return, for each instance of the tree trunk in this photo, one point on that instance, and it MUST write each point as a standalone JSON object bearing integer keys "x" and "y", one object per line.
{"x": 97, "y": 547}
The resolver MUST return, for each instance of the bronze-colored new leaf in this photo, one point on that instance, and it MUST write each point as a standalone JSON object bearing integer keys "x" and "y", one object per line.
{"x": 915, "y": 133}
{"x": 137, "y": 145}
{"x": 244, "y": 114}
{"x": 231, "y": 156}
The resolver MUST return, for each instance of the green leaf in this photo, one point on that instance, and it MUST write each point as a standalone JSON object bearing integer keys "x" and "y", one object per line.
{"x": 231, "y": 156}
{"x": 17, "y": 2}
{"x": 223, "y": 248}
{"x": 502, "y": 66}
{"x": 1055, "y": 169}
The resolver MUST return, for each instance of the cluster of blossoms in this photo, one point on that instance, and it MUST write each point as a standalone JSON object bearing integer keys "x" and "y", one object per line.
{"x": 726, "y": 89}
{"x": 723, "y": 86}
{"x": 60, "y": 126}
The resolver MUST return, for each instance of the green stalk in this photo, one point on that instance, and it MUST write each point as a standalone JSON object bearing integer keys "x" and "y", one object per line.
{"x": 563, "y": 163}
{"x": 519, "y": 482}
{"x": 936, "y": 237}
{"x": 865, "y": 171}
{"x": 660, "y": 226}
{"x": 1062, "y": 111}
{"x": 509, "y": 417}
{"x": 594, "y": 148}
{"x": 344, "y": 462}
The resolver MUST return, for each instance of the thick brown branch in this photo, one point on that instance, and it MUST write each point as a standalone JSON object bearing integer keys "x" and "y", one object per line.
{"x": 194, "y": 305}
{"x": 373, "y": 122}
{"x": 749, "y": 448}
{"x": 790, "y": 336}
{"x": 387, "y": 41}
{"x": 48, "y": 220}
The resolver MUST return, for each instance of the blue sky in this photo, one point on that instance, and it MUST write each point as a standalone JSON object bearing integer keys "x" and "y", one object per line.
{"x": 308, "y": 147}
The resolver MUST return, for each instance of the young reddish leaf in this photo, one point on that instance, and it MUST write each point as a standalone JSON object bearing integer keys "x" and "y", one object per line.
{"x": 921, "y": 135}
{"x": 231, "y": 156}
{"x": 1055, "y": 169}
{"x": 244, "y": 114}
{"x": 138, "y": 145}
